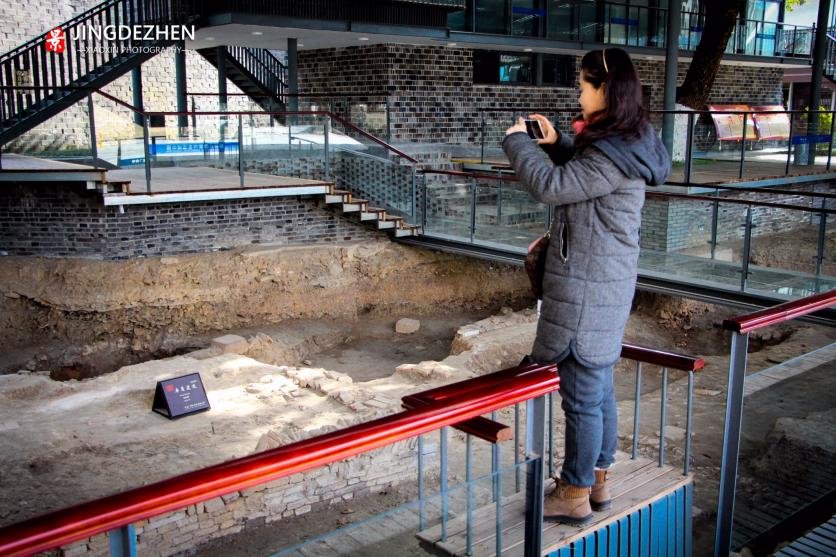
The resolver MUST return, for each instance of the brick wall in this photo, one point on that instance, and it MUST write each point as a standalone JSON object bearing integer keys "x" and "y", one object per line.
{"x": 433, "y": 98}
{"x": 678, "y": 224}
{"x": 67, "y": 220}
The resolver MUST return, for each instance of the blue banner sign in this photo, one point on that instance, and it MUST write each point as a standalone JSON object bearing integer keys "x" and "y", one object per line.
{"x": 807, "y": 139}
{"x": 194, "y": 147}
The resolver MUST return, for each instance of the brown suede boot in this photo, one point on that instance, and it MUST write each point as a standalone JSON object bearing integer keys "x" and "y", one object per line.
{"x": 600, "y": 499}
{"x": 568, "y": 504}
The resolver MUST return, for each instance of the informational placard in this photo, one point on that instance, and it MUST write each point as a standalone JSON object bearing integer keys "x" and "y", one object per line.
{"x": 729, "y": 127}
{"x": 772, "y": 122}
{"x": 180, "y": 396}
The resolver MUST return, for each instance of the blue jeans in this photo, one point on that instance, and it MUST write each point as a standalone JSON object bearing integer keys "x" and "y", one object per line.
{"x": 591, "y": 420}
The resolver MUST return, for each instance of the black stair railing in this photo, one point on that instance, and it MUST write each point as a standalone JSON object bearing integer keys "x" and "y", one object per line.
{"x": 263, "y": 66}
{"x": 76, "y": 56}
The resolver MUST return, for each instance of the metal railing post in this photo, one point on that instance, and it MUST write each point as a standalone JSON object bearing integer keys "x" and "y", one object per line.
{"x": 637, "y": 411}
{"x": 421, "y": 502}
{"x": 445, "y": 498}
{"x": 414, "y": 208}
{"x": 743, "y": 146}
{"x": 94, "y": 153}
{"x": 731, "y": 444}
{"x": 469, "y": 484}
{"x": 830, "y": 143}
{"x": 822, "y": 237}
{"x": 535, "y": 412}
{"x": 474, "y": 187}
{"x": 482, "y": 157}
{"x": 689, "y": 148}
{"x": 747, "y": 247}
{"x": 517, "y": 478}
{"x": 326, "y": 139}
{"x": 146, "y": 122}
{"x": 551, "y": 435}
{"x": 715, "y": 211}
{"x": 663, "y": 417}
{"x": 241, "y": 149}
{"x": 789, "y": 145}
{"x": 495, "y": 466}
{"x": 688, "y": 416}
{"x": 425, "y": 202}
{"x": 122, "y": 541}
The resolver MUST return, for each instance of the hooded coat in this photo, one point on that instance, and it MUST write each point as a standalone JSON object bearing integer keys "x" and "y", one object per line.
{"x": 592, "y": 258}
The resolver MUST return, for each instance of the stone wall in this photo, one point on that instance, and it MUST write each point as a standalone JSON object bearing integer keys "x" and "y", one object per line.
{"x": 183, "y": 530}
{"x": 66, "y": 220}
{"x": 433, "y": 98}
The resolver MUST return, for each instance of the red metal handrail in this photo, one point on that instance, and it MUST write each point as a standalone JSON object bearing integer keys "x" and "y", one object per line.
{"x": 780, "y": 313}
{"x": 661, "y": 358}
{"x": 88, "y": 519}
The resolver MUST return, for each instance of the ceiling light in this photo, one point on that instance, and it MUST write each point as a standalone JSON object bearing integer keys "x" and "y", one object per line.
{"x": 451, "y": 44}
{"x": 210, "y": 38}
{"x": 257, "y": 33}
{"x": 363, "y": 39}
{"x": 527, "y": 49}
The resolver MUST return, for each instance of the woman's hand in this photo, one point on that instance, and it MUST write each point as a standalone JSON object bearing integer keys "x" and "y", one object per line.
{"x": 550, "y": 134}
{"x": 518, "y": 127}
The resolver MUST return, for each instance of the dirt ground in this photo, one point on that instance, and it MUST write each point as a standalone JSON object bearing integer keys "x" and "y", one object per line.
{"x": 81, "y": 361}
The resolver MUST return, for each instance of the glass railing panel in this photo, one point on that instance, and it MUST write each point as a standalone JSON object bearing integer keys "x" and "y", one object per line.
{"x": 506, "y": 214}
{"x": 283, "y": 145}
{"x": 446, "y": 206}
{"x": 119, "y": 134}
{"x": 692, "y": 240}
{"x": 65, "y": 137}
{"x": 196, "y": 140}
{"x": 784, "y": 466}
{"x": 784, "y": 249}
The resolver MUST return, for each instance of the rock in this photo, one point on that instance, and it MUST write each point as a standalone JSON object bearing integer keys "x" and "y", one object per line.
{"x": 706, "y": 392}
{"x": 346, "y": 396}
{"x": 674, "y": 434}
{"x": 230, "y": 344}
{"x": 306, "y": 362}
{"x": 407, "y": 326}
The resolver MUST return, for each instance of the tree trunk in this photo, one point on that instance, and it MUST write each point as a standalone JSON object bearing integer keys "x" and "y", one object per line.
{"x": 720, "y": 19}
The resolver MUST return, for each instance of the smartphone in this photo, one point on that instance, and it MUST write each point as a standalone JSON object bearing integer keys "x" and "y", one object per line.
{"x": 534, "y": 130}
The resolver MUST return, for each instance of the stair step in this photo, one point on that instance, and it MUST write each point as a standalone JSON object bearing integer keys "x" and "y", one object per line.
{"x": 407, "y": 230}
{"x": 334, "y": 198}
{"x": 354, "y": 207}
{"x": 373, "y": 213}
{"x": 385, "y": 224}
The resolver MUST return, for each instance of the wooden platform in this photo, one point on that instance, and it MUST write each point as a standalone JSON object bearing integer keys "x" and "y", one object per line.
{"x": 635, "y": 484}
{"x": 181, "y": 179}
{"x": 21, "y": 168}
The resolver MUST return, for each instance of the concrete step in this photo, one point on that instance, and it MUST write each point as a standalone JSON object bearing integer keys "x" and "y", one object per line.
{"x": 407, "y": 230}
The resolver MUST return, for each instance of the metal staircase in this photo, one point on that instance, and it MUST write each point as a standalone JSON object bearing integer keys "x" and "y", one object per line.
{"x": 51, "y": 80}
{"x": 39, "y": 82}
{"x": 255, "y": 71}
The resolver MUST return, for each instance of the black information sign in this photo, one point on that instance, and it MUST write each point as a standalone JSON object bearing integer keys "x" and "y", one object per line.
{"x": 180, "y": 396}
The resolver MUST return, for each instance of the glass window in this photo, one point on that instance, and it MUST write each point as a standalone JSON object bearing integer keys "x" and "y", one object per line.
{"x": 506, "y": 68}
{"x": 558, "y": 70}
{"x": 491, "y": 17}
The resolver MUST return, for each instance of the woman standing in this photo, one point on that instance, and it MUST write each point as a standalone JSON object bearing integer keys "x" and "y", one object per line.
{"x": 597, "y": 186}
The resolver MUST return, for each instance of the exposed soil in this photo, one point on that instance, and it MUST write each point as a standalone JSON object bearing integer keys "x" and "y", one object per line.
{"x": 327, "y": 307}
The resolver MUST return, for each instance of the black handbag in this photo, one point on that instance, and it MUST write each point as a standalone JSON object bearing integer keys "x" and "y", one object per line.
{"x": 535, "y": 263}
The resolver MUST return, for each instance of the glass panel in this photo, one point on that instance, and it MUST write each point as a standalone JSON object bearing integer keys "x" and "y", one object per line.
{"x": 447, "y": 205}
{"x": 507, "y": 215}
{"x": 204, "y": 141}
{"x": 525, "y": 18}
{"x": 676, "y": 240}
{"x": 491, "y": 17}
{"x": 515, "y": 69}
{"x": 65, "y": 137}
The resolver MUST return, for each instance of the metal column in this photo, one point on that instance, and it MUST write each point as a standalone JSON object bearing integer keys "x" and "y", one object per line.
{"x": 180, "y": 84}
{"x": 671, "y": 60}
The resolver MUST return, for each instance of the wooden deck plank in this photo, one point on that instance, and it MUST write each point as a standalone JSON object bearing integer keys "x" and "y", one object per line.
{"x": 190, "y": 179}
{"x": 13, "y": 162}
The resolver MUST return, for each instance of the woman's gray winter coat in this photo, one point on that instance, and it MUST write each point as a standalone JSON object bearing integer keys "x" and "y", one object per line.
{"x": 592, "y": 258}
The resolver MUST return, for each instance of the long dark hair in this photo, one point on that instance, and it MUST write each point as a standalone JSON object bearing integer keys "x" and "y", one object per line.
{"x": 625, "y": 113}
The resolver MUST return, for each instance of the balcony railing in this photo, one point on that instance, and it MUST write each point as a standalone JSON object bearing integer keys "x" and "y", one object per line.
{"x": 623, "y": 24}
